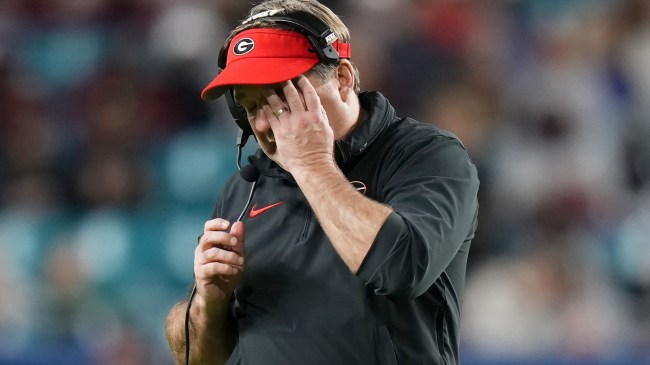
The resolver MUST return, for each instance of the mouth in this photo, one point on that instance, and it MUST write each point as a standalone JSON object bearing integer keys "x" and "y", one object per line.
{"x": 267, "y": 142}
{"x": 270, "y": 137}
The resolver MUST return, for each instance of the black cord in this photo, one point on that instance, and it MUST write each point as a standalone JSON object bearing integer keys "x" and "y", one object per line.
{"x": 248, "y": 201}
{"x": 187, "y": 326}
{"x": 242, "y": 137}
{"x": 239, "y": 159}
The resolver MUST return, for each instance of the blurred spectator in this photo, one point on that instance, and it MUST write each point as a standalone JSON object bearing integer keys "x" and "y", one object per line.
{"x": 112, "y": 171}
{"x": 545, "y": 303}
{"x": 29, "y": 176}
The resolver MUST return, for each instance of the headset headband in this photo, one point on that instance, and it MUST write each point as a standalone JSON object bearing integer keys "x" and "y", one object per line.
{"x": 317, "y": 32}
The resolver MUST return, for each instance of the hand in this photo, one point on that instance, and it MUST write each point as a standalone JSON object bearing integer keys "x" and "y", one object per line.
{"x": 218, "y": 262}
{"x": 302, "y": 133}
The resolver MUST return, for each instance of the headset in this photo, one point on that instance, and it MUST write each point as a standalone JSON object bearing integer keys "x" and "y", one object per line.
{"x": 319, "y": 35}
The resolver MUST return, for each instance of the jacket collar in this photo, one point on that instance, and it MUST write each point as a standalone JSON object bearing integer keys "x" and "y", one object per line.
{"x": 378, "y": 116}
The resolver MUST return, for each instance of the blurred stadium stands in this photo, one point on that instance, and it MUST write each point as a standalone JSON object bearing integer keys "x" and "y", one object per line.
{"x": 110, "y": 163}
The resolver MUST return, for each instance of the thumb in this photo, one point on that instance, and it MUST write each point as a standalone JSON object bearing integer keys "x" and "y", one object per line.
{"x": 237, "y": 230}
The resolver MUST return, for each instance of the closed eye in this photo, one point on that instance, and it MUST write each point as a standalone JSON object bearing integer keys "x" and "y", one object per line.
{"x": 249, "y": 106}
{"x": 250, "y": 109}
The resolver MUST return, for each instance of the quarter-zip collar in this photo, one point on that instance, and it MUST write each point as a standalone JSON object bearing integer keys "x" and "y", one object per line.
{"x": 378, "y": 117}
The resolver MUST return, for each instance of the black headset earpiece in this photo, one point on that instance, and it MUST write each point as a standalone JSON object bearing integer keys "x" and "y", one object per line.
{"x": 238, "y": 112}
{"x": 317, "y": 32}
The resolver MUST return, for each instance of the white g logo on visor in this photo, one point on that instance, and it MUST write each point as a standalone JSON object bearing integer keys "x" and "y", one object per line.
{"x": 243, "y": 46}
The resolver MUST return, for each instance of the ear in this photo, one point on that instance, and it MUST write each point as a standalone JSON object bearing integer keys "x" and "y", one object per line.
{"x": 345, "y": 75}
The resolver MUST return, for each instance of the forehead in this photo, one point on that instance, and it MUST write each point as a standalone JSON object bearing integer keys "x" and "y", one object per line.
{"x": 252, "y": 91}
{"x": 242, "y": 92}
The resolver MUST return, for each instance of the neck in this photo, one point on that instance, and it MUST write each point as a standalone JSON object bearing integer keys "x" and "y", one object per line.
{"x": 352, "y": 116}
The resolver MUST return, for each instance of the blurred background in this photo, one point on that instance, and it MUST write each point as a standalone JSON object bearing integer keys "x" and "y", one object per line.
{"x": 110, "y": 163}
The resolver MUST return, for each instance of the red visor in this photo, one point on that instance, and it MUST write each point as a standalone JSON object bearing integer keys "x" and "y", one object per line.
{"x": 266, "y": 56}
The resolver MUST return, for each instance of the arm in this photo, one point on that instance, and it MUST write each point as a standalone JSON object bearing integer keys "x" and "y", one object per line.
{"x": 305, "y": 143}
{"x": 350, "y": 220}
{"x": 402, "y": 248}
{"x": 218, "y": 267}
{"x": 211, "y": 334}
{"x": 432, "y": 188}
{"x": 398, "y": 248}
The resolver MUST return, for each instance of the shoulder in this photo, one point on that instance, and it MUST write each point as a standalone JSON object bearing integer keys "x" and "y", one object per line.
{"x": 415, "y": 154}
{"x": 410, "y": 138}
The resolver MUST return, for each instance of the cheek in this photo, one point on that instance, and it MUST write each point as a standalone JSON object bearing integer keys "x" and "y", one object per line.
{"x": 328, "y": 95}
{"x": 263, "y": 132}
{"x": 259, "y": 123}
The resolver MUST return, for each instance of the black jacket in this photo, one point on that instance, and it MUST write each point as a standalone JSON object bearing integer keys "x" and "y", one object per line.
{"x": 298, "y": 303}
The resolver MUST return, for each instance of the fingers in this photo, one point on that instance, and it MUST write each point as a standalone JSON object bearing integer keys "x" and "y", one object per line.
{"x": 217, "y": 238}
{"x": 275, "y": 102}
{"x": 221, "y": 247}
{"x": 270, "y": 117}
{"x": 216, "y": 224}
{"x": 293, "y": 97}
{"x": 312, "y": 101}
{"x": 218, "y": 255}
{"x": 296, "y": 97}
{"x": 238, "y": 232}
{"x": 217, "y": 269}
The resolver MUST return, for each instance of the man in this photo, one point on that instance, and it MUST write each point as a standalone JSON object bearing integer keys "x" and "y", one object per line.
{"x": 355, "y": 248}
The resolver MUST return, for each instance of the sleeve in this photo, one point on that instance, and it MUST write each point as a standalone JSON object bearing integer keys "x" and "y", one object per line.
{"x": 433, "y": 194}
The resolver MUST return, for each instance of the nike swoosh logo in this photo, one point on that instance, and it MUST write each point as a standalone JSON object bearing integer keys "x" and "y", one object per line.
{"x": 255, "y": 212}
